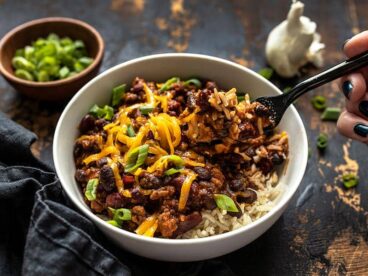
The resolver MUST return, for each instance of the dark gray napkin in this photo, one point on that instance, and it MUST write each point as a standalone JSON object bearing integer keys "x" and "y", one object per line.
{"x": 42, "y": 234}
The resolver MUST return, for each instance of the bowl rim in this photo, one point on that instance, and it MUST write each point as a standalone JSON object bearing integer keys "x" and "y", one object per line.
{"x": 46, "y": 20}
{"x": 86, "y": 211}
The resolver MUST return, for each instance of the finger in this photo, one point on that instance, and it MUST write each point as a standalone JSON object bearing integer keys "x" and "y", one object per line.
{"x": 354, "y": 88}
{"x": 353, "y": 126}
{"x": 357, "y": 45}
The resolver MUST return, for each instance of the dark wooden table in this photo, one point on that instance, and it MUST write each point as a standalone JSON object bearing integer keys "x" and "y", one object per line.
{"x": 324, "y": 229}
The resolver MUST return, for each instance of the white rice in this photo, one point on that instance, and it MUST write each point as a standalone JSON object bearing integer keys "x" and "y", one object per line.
{"x": 218, "y": 221}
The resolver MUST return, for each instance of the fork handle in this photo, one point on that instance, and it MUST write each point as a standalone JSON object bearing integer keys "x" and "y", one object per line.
{"x": 348, "y": 66}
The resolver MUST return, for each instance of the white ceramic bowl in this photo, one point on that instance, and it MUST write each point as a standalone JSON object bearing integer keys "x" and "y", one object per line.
{"x": 161, "y": 67}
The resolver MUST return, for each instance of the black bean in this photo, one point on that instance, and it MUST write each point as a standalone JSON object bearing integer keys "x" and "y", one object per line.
{"x": 107, "y": 179}
{"x": 277, "y": 159}
{"x": 247, "y": 196}
{"x": 149, "y": 181}
{"x": 211, "y": 85}
{"x": 81, "y": 175}
{"x": 262, "y": 111}
{"x": 100, "y": 123}
{"x": 236, "y": 184}
{"x": 203, "y": 173}
{"x": 137, "y": 87}
{"x": 101, "y": 162}
{"x": 87, "y": 123}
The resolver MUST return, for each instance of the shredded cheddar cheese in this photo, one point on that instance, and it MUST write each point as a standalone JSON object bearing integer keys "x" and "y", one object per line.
{"x": 147, "y": 226}
{"x": 185, "y": 188}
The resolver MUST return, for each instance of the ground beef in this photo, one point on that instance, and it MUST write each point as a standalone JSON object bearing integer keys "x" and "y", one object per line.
{"x": 138, "y": 214}
{"x": 163, "y": 192}
{"x": 174, "y": 106}
{"x": 130, "y": 98}
{"x": 114, "y": 200}
{"x": 191, "y": 101}
{"x": 217, "y": 177}
{"x": 167, "y": 224}
{"x": 262, "y": 111}
{"x": 137, "y": 196}
{"x": 202, "y": 100}
{"x": 247, "y": 130}
{"x": 265, "y": 165}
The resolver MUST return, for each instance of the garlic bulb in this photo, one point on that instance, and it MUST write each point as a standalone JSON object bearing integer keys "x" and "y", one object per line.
{"x": 293, "y": 43}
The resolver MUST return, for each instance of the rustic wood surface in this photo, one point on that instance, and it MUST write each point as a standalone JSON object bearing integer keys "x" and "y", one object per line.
{"x": 324, "y": 229}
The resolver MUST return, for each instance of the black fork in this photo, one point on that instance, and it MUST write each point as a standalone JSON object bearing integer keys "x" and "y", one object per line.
{"x": 278, "y": 104}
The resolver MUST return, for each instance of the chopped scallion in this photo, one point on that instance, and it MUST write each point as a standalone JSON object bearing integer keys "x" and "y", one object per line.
{"x": 225, "y": 203}
{"x": 136, "y": 158}
{"x": 350, "y": 180}
{"x": 266, "y": 72}
{"x": 319, "y": 103}
{"x": 331, "y": 114}
{"x": 172, "y": 171}
{"x": 119, "y": 215}
{"x": 322, "y": 141}
{"x": 168, "y": 84}
{"x": 130, "y": 131}
{"x": 117, "y": 94}
{"x": 107, "y": 112}
{"x": 196, "y": 82}
{"x": 146, "y": 109}
{"x": 113, "y": 223}
{"x": 91, "y": 189}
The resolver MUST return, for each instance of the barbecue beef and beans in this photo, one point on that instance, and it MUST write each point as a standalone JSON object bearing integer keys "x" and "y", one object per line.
{"x": 161, "y": 154}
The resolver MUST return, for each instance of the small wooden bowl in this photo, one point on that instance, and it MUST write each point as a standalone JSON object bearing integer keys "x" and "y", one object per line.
{"x": 24, "y": 34}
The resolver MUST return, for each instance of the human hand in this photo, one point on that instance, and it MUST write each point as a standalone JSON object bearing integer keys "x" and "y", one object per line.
{"x": 353, "y": 121}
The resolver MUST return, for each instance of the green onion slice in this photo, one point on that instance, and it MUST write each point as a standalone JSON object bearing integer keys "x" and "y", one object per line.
{"x": 266, "y": 72}
{"x": 23, "y": 74}
{"x": 319, "y": 102}
{"x": 196, "y": 82}
{"x": 172, "y": 171}
{"x": 120, "y": 215}
{"x": 331, "y": 114}
{"x": 322, "y": 141}
{"x": 130, "y": 131}
{"x": 240, "y": 98}
{"x": 146, "y": 109}
{"x": 350, "y": 180}
{"x": 91, "y": 188}
{"x": 225, "y": 203}
{"x": 168, "y": 83}
{"x": 286, "y": 89}
{"x": 117, "y": 94}
{"x": 64, "y": 72}
{"x": 175, "y": 159}
{"x": 113, "y": 223}
{"x": 107, "y": 112}
{"x": 23, "y": 63}
{"x": 136, "y": 158}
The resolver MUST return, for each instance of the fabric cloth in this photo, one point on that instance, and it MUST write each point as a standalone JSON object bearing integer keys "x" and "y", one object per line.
{"x": 42, "y": 234}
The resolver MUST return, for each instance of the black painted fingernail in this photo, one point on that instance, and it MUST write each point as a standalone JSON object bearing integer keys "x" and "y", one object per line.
{"x": 363, "y": 108}
{"x": 347, "y": 87}
{"x": 343, "y": 45}
{"x": 361, "y": 130}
